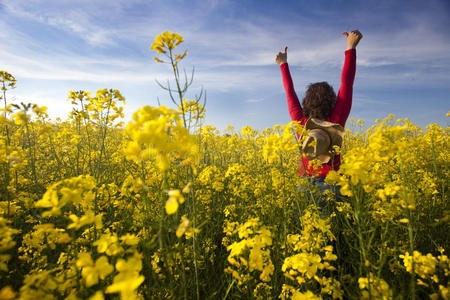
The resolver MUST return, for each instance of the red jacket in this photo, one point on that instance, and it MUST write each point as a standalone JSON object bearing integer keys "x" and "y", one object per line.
{"x": 340, "y": 112}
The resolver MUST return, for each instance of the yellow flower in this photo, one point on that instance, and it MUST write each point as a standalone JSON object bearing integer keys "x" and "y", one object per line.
{"x": 109, "y": 244}
{"x": 187, "y": 188}
{"x": 424, "y": 265}
{"x": 158, "y": 134}
{"x": 158, "y": 45}
{"x": 92, "y": 272}
{"x": 183, "y": 226}
{"x": 7, "y": 293}
{"x": 267, "y": 272}
{"x": 256, "y": 260}
{"x": 379, "y": 289}
{"x": 97, "y": 296}
{"x": 175, "y": 194}
{"x": 128, "y": 279}
{"x": 234, "y": 274}
{"x": 130, "y": 239}
{"x": 166, "y": 40}
{"x": 103, "y": 267}
{"x": 308, "y": 295}
{"x": 171, "y": 206}
{"x": 175, "y": 198}
{"x": 445, "y": 291}
{"x": 181, "y": 56}
{"x": 76, "y": 190}
{"x": 88, "y": 218}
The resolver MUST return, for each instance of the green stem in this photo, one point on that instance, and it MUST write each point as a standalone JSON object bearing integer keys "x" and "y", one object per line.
{"x": 411, "y": 249}
{"x": 162, "y": 217}
{"x": 194, "y": 220}
{"x": 357, "y": 215}
{"x": 284, "y": 201}
{"x": 32, "y": 157}
{"x": 87, "y": 135}
{"x": 177, "y": 81}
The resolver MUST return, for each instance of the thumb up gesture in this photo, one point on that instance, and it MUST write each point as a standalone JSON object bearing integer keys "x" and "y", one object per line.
{"x": 352, "y": 38}
{"x": 281, "y": 57}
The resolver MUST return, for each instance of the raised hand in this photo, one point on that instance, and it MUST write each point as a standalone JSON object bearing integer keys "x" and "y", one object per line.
{"x": 281, "y": 57}
{"x": 353, "y": 38}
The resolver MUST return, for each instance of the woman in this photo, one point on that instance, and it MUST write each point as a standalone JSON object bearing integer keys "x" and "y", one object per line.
{"x": 321, "y": 102}
{"x": 325, "y": 112}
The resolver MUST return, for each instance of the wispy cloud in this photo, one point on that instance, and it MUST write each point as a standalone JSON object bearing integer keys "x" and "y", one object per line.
{"x": 78, "y": 69}
{"x": 82, "y": 18}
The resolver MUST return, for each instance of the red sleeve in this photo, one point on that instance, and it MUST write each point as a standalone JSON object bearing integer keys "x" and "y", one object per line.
{"x": 295, "y": 109}
{"x": 344, "y": 97}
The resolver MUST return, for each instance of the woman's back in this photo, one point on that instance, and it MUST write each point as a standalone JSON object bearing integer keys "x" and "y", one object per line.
{"x": 337, "y": 114}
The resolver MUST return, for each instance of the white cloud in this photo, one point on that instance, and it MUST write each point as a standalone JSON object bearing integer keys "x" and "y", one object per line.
{"x": 79, "y": 68}
{"x": 80, "y": 18}
{"x": 56, "y": 106}
{"x": 77, "y": 22}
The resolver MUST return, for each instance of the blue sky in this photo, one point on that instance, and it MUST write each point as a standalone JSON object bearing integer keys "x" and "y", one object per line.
{"x": 403, "y": 61}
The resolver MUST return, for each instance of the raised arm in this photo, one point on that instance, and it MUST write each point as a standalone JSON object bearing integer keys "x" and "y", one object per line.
{"x": 295, "y": 109}
{"x": 345, "y": 94}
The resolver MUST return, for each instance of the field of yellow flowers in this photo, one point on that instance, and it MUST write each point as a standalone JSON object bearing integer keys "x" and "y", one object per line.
{"x": 164, "y": 207}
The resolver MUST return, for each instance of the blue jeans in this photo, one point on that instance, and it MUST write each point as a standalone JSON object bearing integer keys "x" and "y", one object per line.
{"x": 319, "y": 198}
{"x": 320, "y": 183}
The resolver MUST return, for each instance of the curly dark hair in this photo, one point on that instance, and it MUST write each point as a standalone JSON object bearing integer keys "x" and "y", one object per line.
{"x": 319, "y": 100}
